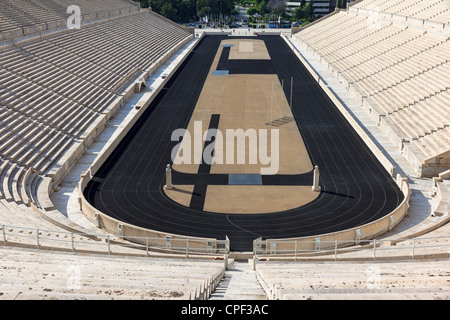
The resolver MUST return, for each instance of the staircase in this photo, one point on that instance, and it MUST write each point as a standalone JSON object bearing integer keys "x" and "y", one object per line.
{"x": 239, "y": 283}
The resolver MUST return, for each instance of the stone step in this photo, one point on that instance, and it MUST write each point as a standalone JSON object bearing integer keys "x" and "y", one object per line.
{"x": 239, "y": 283}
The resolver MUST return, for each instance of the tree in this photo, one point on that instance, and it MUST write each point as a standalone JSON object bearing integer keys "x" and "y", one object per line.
{"x": 298, "y": 13}
{"x": 310, "y": 11}
{"x": 252, "y": 11}
{"x": 214, "y": 7}
{"x": 168, "y": 11}
{"x": 306, "y": 12}
{"x": 341, "y": 4}
{"x": 144, "y": 4}
{"x": 188, "y": 10}
{"x": 277, "y": 7}
{"x": 175, "y": 10}
{"x": 262, "y": 7}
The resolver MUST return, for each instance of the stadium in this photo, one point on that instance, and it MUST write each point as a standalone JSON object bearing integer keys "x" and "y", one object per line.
{"x": 145, "y": 160}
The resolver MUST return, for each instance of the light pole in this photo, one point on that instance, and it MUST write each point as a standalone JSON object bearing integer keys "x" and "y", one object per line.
{"x": 271, "y": 104}
{"x": 292, "y": 86}
{"x": 281, "y": 98}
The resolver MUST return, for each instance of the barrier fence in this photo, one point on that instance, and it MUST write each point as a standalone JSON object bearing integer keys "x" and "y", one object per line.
{"x": 422, "y": 247}
{"x": 414, "y": 248}
{"x": 243, "y": 31}
{"x": 110, "y": 244}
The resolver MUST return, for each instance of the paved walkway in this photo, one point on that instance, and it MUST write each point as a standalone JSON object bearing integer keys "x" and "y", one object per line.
{"x": 239, "y": 283}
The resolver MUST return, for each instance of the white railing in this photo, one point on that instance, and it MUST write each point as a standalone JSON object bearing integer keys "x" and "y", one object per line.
{"x": 106, "y": 243}
{"x": 111, "y": 244}
{"x": 414, "y": 248}
{"x": 243, "y": 31}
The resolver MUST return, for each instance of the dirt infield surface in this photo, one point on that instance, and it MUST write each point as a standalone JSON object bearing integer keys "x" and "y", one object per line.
{"x": 255, "y": 102}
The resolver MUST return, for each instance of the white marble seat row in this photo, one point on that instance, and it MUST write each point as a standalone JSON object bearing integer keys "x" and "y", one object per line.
{"x": 34, "y": 10}
{"x": 321, "y": 40}
{"x": 398, "y": 72}
{"x": 6, "y": 24}
{"x": 83, "y": 68}
{"x": 26, "y": 275}
{"x": 424, "y": 117}
{"x": 52, "y": 78}
{"x": 18, "y": 17}
{"x": 52, "y": 89}
{"x": 38, "y": 146}
{"x": 28, "y": 13}
{"x": 373, "y": 48}
{"x": 90, "y": 6}
{"x": 411, "y": 91}
{"x": 314, "y": 30}
{"x": 432, "y": 144}
{"x": 363, "y": 280}
{"x": 401, "y": 63}
{"x": 13, "y": 187}
{"x": 433, "y": 10}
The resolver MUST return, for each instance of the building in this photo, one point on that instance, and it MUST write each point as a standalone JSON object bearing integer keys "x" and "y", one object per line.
{"x": 321, "y": 7}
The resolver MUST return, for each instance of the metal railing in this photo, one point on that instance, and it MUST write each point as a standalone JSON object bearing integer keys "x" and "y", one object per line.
{"x": 243, "y": 31}
{"x": 42, "y": 239}
{"x": 413, "y": 248}
{"x": 109, "y": 244}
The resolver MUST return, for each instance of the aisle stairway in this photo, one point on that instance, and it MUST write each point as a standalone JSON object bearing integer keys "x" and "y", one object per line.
{"x": 239, "y": 283}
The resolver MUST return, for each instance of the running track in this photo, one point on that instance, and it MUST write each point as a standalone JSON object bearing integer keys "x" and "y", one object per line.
{"x": 355, "y": 187}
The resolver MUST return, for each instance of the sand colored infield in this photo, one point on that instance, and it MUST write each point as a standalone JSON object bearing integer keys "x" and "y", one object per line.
{"x": 248, "y": 49}
{"x": 257, "y": 199}
{"x": 247, "y": 102}
{"x": 181, "y": 194}
{"x": 247, "y": 199}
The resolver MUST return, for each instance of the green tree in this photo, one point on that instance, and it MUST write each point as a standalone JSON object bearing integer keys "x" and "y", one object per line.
{"x": 342, "y": 4}
{"x": 188, "y": 11}
{"x": 168, "y": 11}
{"x": 175, "y": 10}
{"x": 144, "y": 4}
{"x": 277, "y": 7}
{"x": 306, "y": 12}
{"x": 214, "y": 7}
{"x": 252, "y": 11}
{"x": 262, "y": 7}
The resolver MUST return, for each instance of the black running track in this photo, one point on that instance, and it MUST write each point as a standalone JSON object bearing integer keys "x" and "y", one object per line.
{"x": 355, "y": 187}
